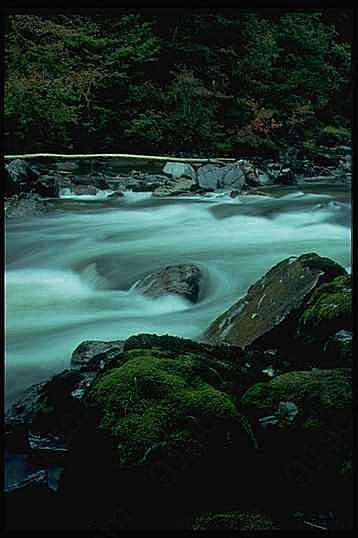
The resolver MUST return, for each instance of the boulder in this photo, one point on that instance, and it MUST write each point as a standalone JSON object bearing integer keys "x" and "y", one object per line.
{"x": 160, "y": 428}
{"x": 84, "y": 189}
{"x": 325, "y": 325}
{"x": 266, "y": 314}
{"x": 210, "y": 176}
{"x": 232, "y": 176}
{"x": 115, "y": 195}
{"x": 95, "y": 180}
{"x": 180, "y": 186}
{"x": 49, "y": 411}
{"x": 20, "y": 172}
{"x": 177, "y": 170}
{"x": 93, "y": 355}
{"x": 47, "y": 186}
{"x": 303, "y": 419}
{"x": 183, "y": 279}
{"x": 25, "y": 205}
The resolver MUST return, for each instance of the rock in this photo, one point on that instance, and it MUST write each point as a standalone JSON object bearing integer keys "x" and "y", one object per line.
{"x": 210, "y": 176}
{"x": 272, "y": 302}
{"x": 144, "y": 400}
{"x": 177, "y": 170}
{"x": 31, "y": 505}
{"x": 307, "y": 454}
{"x": 48, "y": 410}
{"x": 37, "y": 479}
{"x": 235, "y": 520}
{"x": 19, "y": 416}
{"x": 94, "y": 180}
{"x": 226, "y": 177}
{"x": 159, "y": 429}
{"x": 84, "y": 189}
{"x": 326, "y": 323}
{"x": 338, "y": 349}
{"x": 21, "y": 174}
{"x": 25, "y": 205}
{"x": 93, "y": 355}
{"x": 47, "y": 186}
{"x": 182, "y": 279}
{"x": 115, "y": 195}
{"x": 182, "y": 185}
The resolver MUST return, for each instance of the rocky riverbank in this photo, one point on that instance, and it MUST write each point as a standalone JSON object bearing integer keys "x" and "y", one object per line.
{"x": 28, "y": 182}
{"x": 157, "y": 432}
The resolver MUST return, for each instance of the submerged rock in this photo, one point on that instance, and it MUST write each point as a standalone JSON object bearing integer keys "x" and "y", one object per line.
{"x": 273, "y": 301}
{"x": 183, "y": 279}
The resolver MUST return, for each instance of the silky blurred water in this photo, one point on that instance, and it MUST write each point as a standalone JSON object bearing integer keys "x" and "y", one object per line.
{"x": 69, "y": 273}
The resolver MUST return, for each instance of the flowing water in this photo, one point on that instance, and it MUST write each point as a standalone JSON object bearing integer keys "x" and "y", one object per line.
{"x": 69, "y": 274}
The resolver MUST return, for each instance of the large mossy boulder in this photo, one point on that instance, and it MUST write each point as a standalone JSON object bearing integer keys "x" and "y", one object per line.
{"x": 181, "y": 279}
{"x": 303, "y": 423}
{"x": 151, "y": 401}
{"x": 160, "y": 428}
{"x": 328, "y": 311}
{"x": 267, "y": 314}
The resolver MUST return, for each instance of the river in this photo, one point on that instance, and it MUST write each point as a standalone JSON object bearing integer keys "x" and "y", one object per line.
{"x": 69, "y": 273}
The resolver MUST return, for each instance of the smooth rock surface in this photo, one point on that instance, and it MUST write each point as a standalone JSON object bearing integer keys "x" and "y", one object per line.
{"x": 272, "y": 299}
{"x": 181, "y": 279}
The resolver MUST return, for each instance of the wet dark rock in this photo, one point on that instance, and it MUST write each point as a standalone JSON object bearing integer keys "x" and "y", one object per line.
{"x": 19, "y": 176}
{"x": 314, "y": 436}
{"x": 25, "y": 205}
{"x": 84, "y": 189}
{"x": 173, "y": 188}
{"x": 273, "y": 302}
{"x": 32, "y": 505}
{"x": 115, "y": 195}
{"x": 48, "y": 412}
{"x": 47, "y": 186}
{"x": 181, "y": 279}
{"x": 94, "y": 355}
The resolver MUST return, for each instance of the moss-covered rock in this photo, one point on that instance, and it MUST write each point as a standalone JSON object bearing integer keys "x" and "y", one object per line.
{"x": 240, "y": 521}
{"x": 150, "y": 399}
{"x": 328, "y": 310}
{"x": 267, "y": 314}
{"x": 312, "y": 447}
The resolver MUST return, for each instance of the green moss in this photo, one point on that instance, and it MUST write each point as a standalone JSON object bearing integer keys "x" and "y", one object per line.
{"x": 329, "y": 309}
{"x": 241, "y": 521}
{"x": 312, "y": 424}
{"x": 330, "y": 268}
{"x": 332, "y": 136}
{"x": 150, "y": 399}
{"x": 320, "y": 395}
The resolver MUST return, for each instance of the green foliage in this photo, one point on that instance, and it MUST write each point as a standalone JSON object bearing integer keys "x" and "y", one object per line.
{"x": 206, "y": 81}
{"x": 332, "y": 136}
